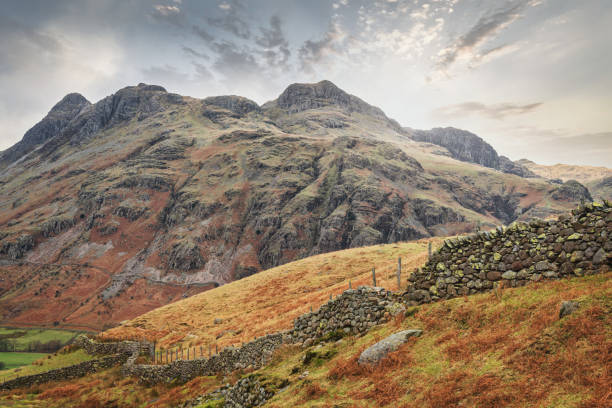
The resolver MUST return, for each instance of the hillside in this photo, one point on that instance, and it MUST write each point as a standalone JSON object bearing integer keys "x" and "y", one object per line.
{"x": 111, "y": 209}
{"x": 482, "y": 335}
{"x": 597, "y": 179}
{"x": 270, "y": 300}
{"x": 501, "y": 349}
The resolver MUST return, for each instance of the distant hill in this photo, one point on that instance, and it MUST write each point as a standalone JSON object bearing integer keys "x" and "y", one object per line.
{"x": 597, "y": 179}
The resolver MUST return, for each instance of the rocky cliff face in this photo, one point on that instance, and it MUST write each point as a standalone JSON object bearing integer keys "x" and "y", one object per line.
{"x": 466, "y": 146}
{"x": 147, "y": 196}
{"x": 462, "y": 144}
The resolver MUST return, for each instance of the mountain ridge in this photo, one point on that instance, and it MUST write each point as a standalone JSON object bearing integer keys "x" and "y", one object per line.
{"x": 147, "y": 196}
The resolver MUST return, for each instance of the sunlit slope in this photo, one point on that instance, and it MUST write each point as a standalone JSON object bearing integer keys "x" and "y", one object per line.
{"x": 269, "y": 301}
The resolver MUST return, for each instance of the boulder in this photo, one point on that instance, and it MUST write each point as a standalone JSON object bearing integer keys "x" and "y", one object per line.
{"x": 567, "y": 308}
{"x": 375, "y": 353}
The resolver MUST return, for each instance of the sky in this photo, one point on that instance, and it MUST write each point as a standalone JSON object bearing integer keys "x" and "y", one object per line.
{"x": 531, "y": 77}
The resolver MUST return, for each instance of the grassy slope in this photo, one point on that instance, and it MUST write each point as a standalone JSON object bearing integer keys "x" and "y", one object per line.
{"x": 270, "y": 300}
{"x": 500, "y": 349}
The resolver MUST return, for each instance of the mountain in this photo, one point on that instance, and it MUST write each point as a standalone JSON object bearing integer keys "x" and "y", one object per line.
{"x": 111, "y": 209}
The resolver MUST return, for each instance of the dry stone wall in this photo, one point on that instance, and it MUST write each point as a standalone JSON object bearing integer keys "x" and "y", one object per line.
{"x": 253, "y": 354}
{"x": 354, "y": 312}
{"x": 574, "y": 245}
{"x": 106, "y": 348}
{"x": 66, "y": 373}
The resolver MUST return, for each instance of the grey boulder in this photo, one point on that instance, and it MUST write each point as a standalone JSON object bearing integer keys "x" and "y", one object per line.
{"x": 373, "y": 354}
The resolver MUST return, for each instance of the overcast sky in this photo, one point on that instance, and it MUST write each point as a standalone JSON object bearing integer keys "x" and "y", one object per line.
{"x": 532, "y": 77}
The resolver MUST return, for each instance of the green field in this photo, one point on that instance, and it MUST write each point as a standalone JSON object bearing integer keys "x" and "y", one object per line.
{"x": 22, "y": 362}
{"x": 23, "y": 339}
{"x": 14, "y": 360}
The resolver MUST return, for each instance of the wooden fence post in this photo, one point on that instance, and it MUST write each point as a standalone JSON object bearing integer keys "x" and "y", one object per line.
{"x": 429, "y": 250}
{"x": 188, "y": 352}
{"x": 374, "y": 276}
{"x": 201, "y": 353}
{"x": 209, "y": 351}
{"x": 399, "y": 274}
{"x": 350, "y": 287}
{"x": 216, "y": 349}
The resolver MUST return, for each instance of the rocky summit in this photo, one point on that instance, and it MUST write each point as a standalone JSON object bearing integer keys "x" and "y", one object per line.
{"x": 147, "y": 196}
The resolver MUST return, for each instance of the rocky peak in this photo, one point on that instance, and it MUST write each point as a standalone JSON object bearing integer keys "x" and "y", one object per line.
{"x": 71, "y": 103}
{"x": 138, "y": 101}
{"x": 300, "y": 97}
{"x": 48, "y": 128}
{"x": 236, "y": 104}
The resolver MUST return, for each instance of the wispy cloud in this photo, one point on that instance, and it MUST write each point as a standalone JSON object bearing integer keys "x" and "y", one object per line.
{"x": 495, "y": 111}
{"x": 466, "y": 47}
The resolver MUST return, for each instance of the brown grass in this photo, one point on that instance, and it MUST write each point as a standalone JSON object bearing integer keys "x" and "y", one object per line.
{"x": 270, "y": 300}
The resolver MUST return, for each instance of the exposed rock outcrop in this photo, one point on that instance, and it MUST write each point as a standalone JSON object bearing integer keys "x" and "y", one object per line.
{"x": 185, "y": 256}
{"x": 51, "y": 126}
{"x": 237, "y": 104}
{"x": 468, "y": 147}
{"x": 508, "y": 166}
{"x": 463, "y": 145}
{"x": 300, "y": 97}
{"x": 571, "y": 190}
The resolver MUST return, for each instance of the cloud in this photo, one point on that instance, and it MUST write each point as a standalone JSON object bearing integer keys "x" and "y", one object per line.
{"x": 485, "y": 29}
{"x": 313, "y": 52}
{"x": 496, "y": 111}
{"x": 202, "y": 72}
{"x": 275, "y": 47}
{"x": 193, "y": 53}
{"x": 203, "y": 34}
{"x": 233, "y": 61}
{"x": 231, "y": 21}
{"x": 167, "y": 14}
{"x": 166, "y": 10}
{"x": 164, "y": 74}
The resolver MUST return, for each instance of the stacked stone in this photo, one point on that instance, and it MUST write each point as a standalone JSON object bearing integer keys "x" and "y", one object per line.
{"x": 252, "y": 355}
{"x": 247, "y": 392}
{"x": 354, "y": 311}
{"x": 107, "y": 348}
{"x": 65, "y": 373}
{"x": 574, "y": 245}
